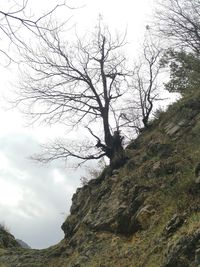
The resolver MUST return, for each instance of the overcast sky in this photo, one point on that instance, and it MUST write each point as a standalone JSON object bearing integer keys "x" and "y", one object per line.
{"x": 34, "y": 199}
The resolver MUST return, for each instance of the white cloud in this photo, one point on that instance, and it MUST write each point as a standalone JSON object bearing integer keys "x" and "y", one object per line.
{"x": 4, "y": 162}
{"x": 10, "y": 195}
{"x": 33, "y": 198}
{"x": 58, "y": 177}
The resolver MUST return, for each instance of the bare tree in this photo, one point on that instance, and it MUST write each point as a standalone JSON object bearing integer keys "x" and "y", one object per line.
{"x": 179, "y": 20}
{"x": 144, "y": 87}
{"x": 80, "y": 84}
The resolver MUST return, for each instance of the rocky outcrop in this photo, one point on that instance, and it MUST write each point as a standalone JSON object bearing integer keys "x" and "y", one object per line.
{"x": 174, "y": 223}
{"x": 184, "y": 252}
{"x": 6, "y": 239}
{"x": 108, "y": 205}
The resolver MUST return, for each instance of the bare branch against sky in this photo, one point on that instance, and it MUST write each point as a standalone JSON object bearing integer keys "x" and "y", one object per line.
{"x": 145, "y": 88}
{"x": 15, "y": 21}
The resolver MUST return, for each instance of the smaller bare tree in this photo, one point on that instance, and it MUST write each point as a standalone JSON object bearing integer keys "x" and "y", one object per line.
{"x": 144, "y": 87}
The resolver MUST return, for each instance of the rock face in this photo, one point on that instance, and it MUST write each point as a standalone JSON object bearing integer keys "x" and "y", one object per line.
{"x": 107, "y": 206}
{"x": 140, "y": 213}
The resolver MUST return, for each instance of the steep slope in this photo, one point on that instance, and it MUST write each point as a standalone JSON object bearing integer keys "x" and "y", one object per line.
{"x": 146, "y": 213}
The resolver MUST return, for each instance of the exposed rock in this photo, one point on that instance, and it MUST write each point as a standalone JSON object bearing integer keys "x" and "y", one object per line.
{"x": 143, "y": 216}
{"x": 101, "y": 209}
{"x": 172, "y": 128}
{"x": 175, "y": 222}
{"x": 115, "y": 171}
{"x": 182, "y": 252}
{"x": 158, "y": 168}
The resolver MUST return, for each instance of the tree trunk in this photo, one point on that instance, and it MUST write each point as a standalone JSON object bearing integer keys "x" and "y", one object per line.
{"x": 117, "y": 157}
{"x": 107, "y": 134}
{"x": 114, "y": 149}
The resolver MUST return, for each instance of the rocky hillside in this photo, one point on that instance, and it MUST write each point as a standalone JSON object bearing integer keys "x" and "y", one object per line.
{"x": 6, "y": 239}
{"x": 145, "y": 214}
